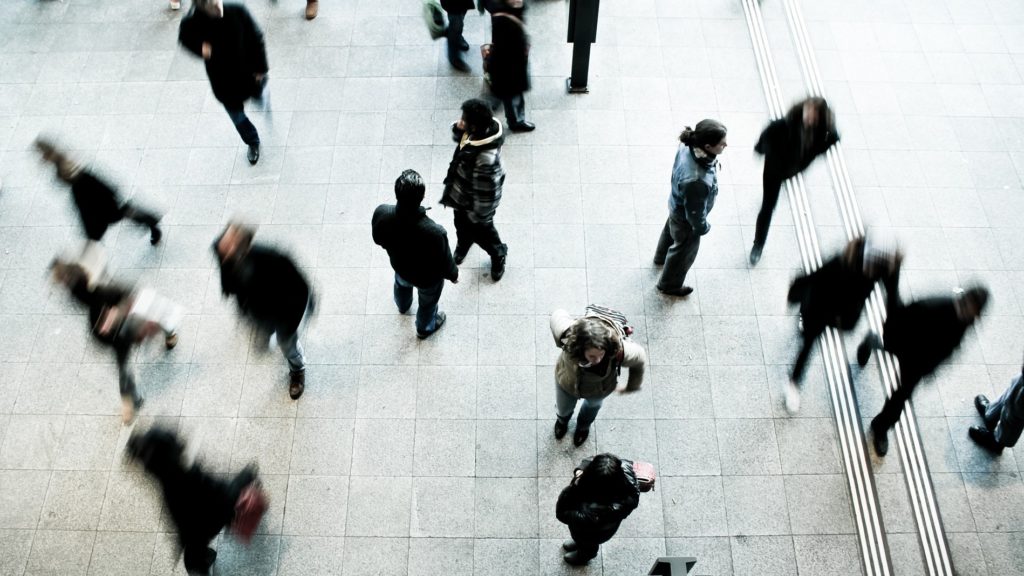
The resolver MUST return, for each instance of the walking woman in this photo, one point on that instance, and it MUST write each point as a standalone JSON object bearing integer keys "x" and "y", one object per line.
{"x": 789, "y": 145}
{"x": 600, "y": 496}
{"x": 694, "y": 188}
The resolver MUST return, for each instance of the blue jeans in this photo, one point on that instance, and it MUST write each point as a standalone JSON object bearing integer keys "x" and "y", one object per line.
{"x": 426, "y": 313}
{"x": 242, "y": 123}
{"x": 566, "y": 403}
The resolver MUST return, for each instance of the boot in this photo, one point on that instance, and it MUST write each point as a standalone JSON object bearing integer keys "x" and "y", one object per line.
{"x": 312, "y": 9}
{"x": 574, "y": 559}
{"x": 864, "y": 350}
{"x": 981, "y": 404}
{"x": 497, "y": 267}
{"x": 460, "y": 254}
{"x": 983, "y": 437}
{"x": 297, "y": 385}
{"x": 580, "y": 436}
{"x": 880, "y": 438}
{"x": 755, "y": 254}
{"x": 560, "y": 428}
{"x": 569, "y": 546}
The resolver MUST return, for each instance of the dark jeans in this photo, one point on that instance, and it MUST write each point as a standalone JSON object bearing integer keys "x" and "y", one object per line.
{"x": 772, "y": 181}
{"x": 125, "y": 374}
{"x": 515, "y": 109}
{"x": 893, "y": 407}
{"x": 677, "y": 248}
{"x": 242, "y": 123}
{"x": 456, "y": 20}
{"x": 426, "y": 313}
{"x": 483, "y": 234}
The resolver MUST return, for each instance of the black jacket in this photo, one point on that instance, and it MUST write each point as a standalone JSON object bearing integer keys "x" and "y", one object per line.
{"x": 417, "y": 246}
{"x": 237, "y": 51}
{"x": 97, "y": 299}
{"x": 834, "y": 294}
{"x": 923, "y": 334}
{"x": 509, "y": 60}
{"x": 457, "y": 5}
{"x": 98, "y": 204}
{"x": 596, "y": 522}
{"x": 788, "y": 150}
{"x": 269, "y": 287}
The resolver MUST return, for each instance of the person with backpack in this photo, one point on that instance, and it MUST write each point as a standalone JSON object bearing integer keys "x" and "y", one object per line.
{"x": 595, "y": 348}
{"x": 602, "y": 493}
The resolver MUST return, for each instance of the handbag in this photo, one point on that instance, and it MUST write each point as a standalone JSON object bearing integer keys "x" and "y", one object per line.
{"x": 249, "y": 510}
{"x": 433, "y": 14}
{"x": 645, "y": 475}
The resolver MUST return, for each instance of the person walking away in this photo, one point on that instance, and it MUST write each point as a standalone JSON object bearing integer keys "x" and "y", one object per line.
{"x": 230, "y": 43}
{"x": 419, "y": 252}
{"x": 789, "y": 145}
{"x": 508, "y": 61}
{"x": 1004, "y": 418}
{"x": 921, "y": 335}
{"x": 594, "y": 351}
{"x": 270, "y": 291}
{"x": 694, "y": 189}
{"x": 602, "y": 493}
{"x": 98, "y": 204}
{"x": 834, "y": 296}
{"x": 472, "y": 187}
{"x": 457, "y": 44}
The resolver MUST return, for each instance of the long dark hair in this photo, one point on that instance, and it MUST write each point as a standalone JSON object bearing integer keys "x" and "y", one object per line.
{"x": 603, "y": 479}
{"x": 591, "y": 332}
{"x": 707, "y": 133}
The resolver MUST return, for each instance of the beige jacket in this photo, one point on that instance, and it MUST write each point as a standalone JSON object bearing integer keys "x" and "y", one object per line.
{"x": 585, "y": 384}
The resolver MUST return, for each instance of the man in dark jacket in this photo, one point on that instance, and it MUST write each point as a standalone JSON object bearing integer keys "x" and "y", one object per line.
{"x": 457, "y": 44}
{"x": 473, "y": 184}
{"x": 1004, "y": 418}
{"x": 419, "y": 252}
{"x": 789, "y": 145}
{"x": 508, "y": 62}
{"x": 602, "y": 493}
{"x": 921, "y": 335}
{"x": 227, "y": 38}
{"x": 98, "y": 204}
{"x": 270, "y": 290}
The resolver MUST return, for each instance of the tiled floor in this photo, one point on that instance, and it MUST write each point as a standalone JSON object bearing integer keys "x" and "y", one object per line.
{"x": 429, "y": 457}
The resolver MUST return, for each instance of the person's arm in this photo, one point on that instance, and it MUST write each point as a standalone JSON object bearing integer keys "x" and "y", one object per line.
{"x": 635, "y": 359}
{"x": 453, "y": 271}
{"x": 374, "y": 227}
{"x": 695, "y": 206}
{"x": 569, "y": 510}
{"x": 488, "y": 178}
{"x": 190, "y": 34}
{"x": 560, "y": 322}
{"x": 255, "y": 46}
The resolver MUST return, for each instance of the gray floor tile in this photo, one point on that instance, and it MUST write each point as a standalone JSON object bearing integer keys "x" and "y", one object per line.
{"x": 122, "y": 553}
{"x": 819, "y": 504}
{"x": 994, "y": 500}
{"x": 15, "y": 546}
{"x": 763, "y": 554}
{"x": 826, "y": 554}
{"x": 500, "y": 509}
{"x": 688, "y": 448}
{"x": 317, "y": 505}
{"x": 74, "y": 500}
{"x": 60, "y": 552}
{"x": 694, "y": 506}
{"x": 436, "y": 555}
{"x": 446, "y": 447}
{"x": 807, "y": 446}
{"x": 505, "y": 556}
{"x": 322, "y": 447}
{"x": 515, "y": 456}
{"x": 132, "y": 502}
{"x": 756, "y": 505}
{"x": 383, "y": 447}
{"x": 302, "y": 555}
{"x": 967, "y": 554}
{"x": 379, "y": 507}
{"x": 748, "y": 447}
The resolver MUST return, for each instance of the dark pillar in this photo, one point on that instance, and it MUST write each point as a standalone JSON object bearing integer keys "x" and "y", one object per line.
{"x": 582, "y": 33}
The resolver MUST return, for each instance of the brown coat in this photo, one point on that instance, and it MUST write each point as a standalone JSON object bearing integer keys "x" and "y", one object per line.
{"x": 584, "y": 384}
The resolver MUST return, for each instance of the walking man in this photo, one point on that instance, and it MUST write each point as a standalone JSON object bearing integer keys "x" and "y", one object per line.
{"x": 227, "y": 38}
{"x": 270, "y": 291}
{"x": 419, "y": 252}
{"x": 473, "y": 184}
{"x": 1004, "y": 418}
{"x": 457, "y": 44}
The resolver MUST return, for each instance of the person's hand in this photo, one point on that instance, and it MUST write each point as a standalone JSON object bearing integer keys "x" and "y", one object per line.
{"x": 207, "y": 50}
{"x": 455, "y": 280}
{"x": 259, "y": 76}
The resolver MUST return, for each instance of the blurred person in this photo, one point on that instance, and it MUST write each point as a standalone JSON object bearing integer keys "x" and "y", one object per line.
{"x": 419, "y": 252}
{"x": 594, "y": 351}
{"x": 472, "y": 187}
{"x": 230, "y": 43}
{"x": 694, "y": 189}
{"x": 120, "y": 317}
{"x": 921, "y": 335}
{"x": 1004, "y": 418}
{"x": 457, "y": 44}
{"x": 602, "y": 493}
{"x": 834, "y": 296}
{"x": 508, "y": 61}
{"x": 97, "y": 202}
{"x": 789, "y": 145}
{"x": 199, "y": 503}
{"x": 270, "y": 291}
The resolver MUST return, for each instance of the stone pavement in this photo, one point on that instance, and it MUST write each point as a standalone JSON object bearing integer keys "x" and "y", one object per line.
{"x": 436, "y": 456}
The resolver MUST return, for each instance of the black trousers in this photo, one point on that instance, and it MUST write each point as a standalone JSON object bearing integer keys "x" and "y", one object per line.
{"x": 483, "y": 234}
{"x": 772, "y": 180}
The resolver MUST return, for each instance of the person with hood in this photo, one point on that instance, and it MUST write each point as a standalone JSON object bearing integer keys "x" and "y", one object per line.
{"x": 472, "y": 187}
{"x": 457, "y": 44}
{"x": 834, "y": 296}
{"x": 419, "y": 252}
{"x": 694, "y": 189}
{"x": 602, "y": 493}
{"x": 594, "y": 351}
{"x": 98, "y": 204}
{"x": 921, "y": 335}
{"x": 507, "y": 63}
{"x": 227, "y": 38}
{"x": 1004, "y": 418}
{"x": 270, "y": 290}
{"x": 789, "y": 145}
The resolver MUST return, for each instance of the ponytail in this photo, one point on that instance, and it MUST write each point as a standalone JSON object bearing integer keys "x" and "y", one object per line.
{"x": 708, "y": 132}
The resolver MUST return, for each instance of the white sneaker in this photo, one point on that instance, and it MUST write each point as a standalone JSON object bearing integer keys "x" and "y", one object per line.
{"x": 792, "y": 398}
{"x": 175, "y": 4}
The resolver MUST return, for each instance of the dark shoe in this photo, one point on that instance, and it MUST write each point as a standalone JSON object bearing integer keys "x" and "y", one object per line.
{"x": 297, "y": 385}
{"x": 580, "y": 436}
{"x": 869, "y": 343}
{"x": 463, "y": 45}
{"x": 880, "y": 439}
{"x": 574, "y": 559}
{"x": 658, "y": 262}
{"x": 460, "y": 255}
{"x": 569, "y": 546}
{"x": 171, "y": 341}
{"x": 254, "y": 154}
{"x": 560, "y": 429}
{"x": 459, "y": 64}
{"x": 441, "y": 317}
{"x": 983, "y": 437}
{"x": 155, "y": 235}
{"x": 981, "y": 403}
{"x": 755, "y": 254}
{"x": 523, "y": 127}
{"x": 682, "y": 291}
{"x": 312, "y": 9}
{"x": 497, "y": 268}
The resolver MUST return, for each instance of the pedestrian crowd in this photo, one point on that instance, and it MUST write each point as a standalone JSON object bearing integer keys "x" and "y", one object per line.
{"x": 273, "y": 294}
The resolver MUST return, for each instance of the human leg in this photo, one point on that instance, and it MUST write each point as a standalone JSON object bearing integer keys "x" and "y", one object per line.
{"x": 403, "y": 294}
{"x": 244, "y": 126}
{"x": 456, "y": 21}
{"x": 891, "y": 411}
{"x": 292, "y": 350}
{"x": 145, "y": 218}
{"x": 427, "y": 316}
{"x": 130, "y": 398}
{"x": 772, "y": 183}
{"x": 680, "y": 256}
{"x": 464, "y": 235}
{"x": 664, "y": 242}
{"x": 515, "y": 113}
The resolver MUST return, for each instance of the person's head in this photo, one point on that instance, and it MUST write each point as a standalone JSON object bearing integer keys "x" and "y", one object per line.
{"x": 212, "y": 8}
{"x": 603, "y": 478}
{"x": 813, "y": 110}
{"x": 67, "y": 169}
{"x": 158, "y": 450}
{"x": 476, "y": 116}
{"x": 589, "y": 340}
{"x": 66, "y": 273}
{"x": 708, "y": 137}
{"x": 971, "y": 303}
{"x": 409, "y": 188}
{"x": 235, "y": 241}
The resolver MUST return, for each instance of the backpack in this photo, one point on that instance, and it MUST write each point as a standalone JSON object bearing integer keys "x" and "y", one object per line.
{"x": 433, "y": 14}
{"x": 618, "y": 319}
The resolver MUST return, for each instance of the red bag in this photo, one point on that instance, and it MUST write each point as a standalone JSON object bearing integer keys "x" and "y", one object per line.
{"x": 249, "y": 510}
{"x": 645, "y": 475}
